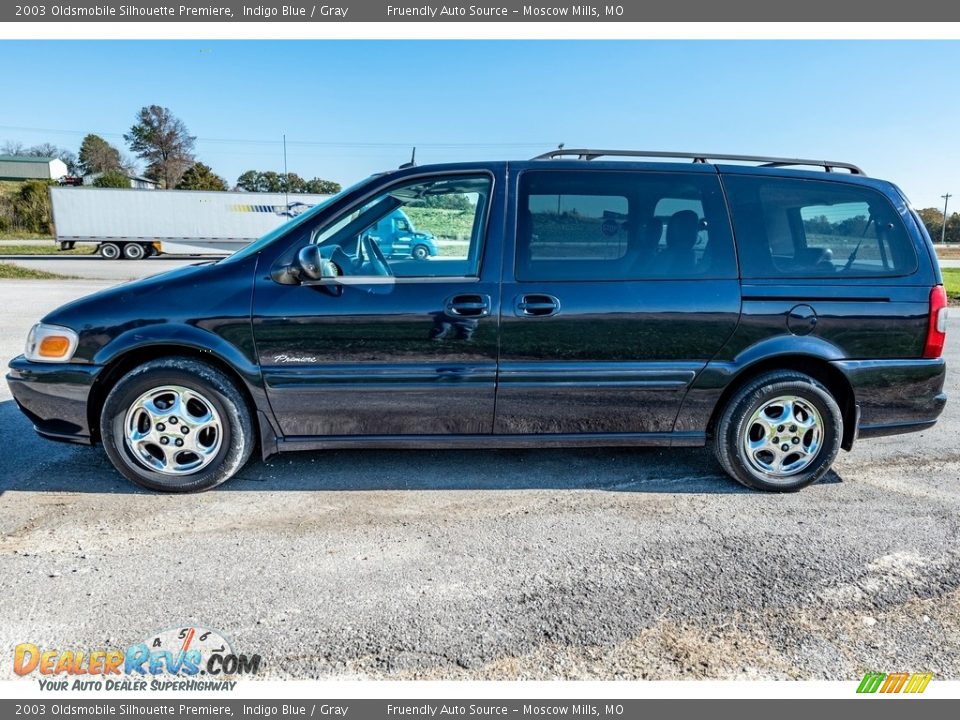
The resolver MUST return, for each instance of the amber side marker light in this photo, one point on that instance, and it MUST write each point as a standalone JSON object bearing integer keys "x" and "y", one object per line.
{"x": 54, "y": 346}
{"x": 51, "y": 343}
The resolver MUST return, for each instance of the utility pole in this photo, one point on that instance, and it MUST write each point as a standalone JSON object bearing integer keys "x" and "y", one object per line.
{"x": 943, "y": 230}
{"x": 286, "y": 175}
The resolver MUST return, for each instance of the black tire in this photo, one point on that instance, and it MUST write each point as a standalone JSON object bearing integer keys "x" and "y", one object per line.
{"x": 735, "y": 421}
{"x": 420, "y": 252}
{"x": 134, "y": 251}
{"x": 109, "y": 251}
{"x": 235, "y": 425}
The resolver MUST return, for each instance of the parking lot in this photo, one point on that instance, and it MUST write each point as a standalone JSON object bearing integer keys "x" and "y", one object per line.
{"x": 489, "y": 564}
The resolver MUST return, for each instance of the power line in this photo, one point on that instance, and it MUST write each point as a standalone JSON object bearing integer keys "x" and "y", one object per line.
{"x": 303, "y": 143}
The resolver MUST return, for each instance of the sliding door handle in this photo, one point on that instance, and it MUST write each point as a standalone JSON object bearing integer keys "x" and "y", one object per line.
{"x": 536, "y": 305}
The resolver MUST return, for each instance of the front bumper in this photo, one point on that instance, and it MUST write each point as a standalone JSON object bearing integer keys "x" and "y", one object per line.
{"x": 54, "y": 396}
{"x": 896, "y": 396}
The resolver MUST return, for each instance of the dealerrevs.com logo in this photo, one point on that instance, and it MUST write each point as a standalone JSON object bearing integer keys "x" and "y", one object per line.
{"x": 182, "y": 658}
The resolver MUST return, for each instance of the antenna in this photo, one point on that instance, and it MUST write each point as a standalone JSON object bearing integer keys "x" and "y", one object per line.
{"x": 413, "y": 160}
{"x": 286, "y": 175}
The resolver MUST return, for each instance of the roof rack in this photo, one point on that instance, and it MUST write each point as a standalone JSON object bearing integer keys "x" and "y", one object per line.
{"x": 763, "y": 161}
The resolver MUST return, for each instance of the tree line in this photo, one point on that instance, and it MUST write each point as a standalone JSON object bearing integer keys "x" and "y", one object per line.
{"x": 933, "y": 219}
{"x": 158, "y": 139}
{"x": 164, "y": 144}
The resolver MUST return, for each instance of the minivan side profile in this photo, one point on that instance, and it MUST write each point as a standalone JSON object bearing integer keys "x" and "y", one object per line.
{"x": 583, "y": 298}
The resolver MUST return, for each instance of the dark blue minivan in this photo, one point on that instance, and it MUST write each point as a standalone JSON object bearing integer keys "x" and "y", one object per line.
{"x": 585, "y": 297}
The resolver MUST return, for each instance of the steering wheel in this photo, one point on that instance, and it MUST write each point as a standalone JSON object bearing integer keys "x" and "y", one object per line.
{"x": 378, "y": 263}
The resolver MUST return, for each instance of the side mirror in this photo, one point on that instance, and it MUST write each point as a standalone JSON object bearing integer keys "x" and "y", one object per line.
{"x": 313, "y": 266}
{"x": 310, "y": 262}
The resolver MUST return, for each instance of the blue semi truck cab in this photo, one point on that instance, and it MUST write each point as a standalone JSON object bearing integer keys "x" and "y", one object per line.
{"x": 397, "y": 237}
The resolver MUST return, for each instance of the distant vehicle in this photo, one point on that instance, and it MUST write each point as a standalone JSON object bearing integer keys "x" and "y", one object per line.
{"x": 397, "y": 237}
{"x": 773, "y": 314}
{"x": 70, "y": 180}
{"x": 134, "y": 224}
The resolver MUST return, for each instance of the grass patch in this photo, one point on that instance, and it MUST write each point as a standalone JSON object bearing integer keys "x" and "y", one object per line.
{"x": 14, "y": 248}
{"x": 9, "y": 271}
{"x": 951, "y": 282}
{"x": 442, "y": 223}
{"x": 23, "y": 235}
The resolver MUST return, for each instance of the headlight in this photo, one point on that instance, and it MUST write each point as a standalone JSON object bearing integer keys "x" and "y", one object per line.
{"x": 50, "y": 343}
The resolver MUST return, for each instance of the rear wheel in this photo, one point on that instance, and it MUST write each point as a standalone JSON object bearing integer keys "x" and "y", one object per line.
{"x": 134, "y": 251}
{"x": 780, "y": 432}
{"x": 109, "y": 251}
{"x": 177, "y": 425}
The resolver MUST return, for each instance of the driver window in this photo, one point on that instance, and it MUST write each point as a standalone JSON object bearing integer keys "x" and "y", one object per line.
{"x": 427, "y": 228}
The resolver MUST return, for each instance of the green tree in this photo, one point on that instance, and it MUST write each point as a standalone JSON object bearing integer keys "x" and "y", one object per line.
{"x": 31, "y": 206}
{"x": 933, "y": 220}
{"x": 248, "y": 181}
{"x": 163, "y": 141}
{"x": 97, "y": 156}
{"x": 112, "y": 179}
{"x": 292, "y": 183}
{"x": 270, "y": 181}
{"x": 322, "y": 187}
{"x": 953, "y": 228}
{"x": 201, "y": 177}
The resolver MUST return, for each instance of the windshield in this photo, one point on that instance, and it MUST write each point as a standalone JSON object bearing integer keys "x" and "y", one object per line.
{"x": 257, "y": 245}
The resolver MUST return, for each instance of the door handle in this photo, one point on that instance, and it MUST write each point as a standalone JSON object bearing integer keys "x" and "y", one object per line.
{"x": 537, "y": 305}
{"x": 470, "y": 306}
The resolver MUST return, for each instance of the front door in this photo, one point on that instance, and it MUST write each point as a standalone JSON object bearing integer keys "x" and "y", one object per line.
{"x": 624, "y": 285}
{"x": 393, "y": 345}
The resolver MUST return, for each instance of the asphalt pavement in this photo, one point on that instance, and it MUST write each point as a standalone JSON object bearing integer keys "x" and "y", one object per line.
{"x": 490, "y": 564}
{"x": 94, "y": 267}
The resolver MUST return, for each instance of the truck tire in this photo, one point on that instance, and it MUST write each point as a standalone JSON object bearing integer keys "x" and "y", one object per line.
{"x": 134, "y": 251}
{"x": 109, "y": 251}
{"x": 420, "y": 252}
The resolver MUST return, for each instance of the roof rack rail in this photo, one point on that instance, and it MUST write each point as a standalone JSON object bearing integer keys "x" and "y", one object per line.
{"x": 763, "y": 161}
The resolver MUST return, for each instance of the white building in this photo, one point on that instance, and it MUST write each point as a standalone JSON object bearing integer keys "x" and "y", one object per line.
{"x": 137, "y": 182}
{"x": 20, "y": 167}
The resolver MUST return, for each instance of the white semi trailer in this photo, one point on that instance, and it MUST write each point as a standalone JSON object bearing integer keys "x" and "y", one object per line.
{"x": 134, "y": 224}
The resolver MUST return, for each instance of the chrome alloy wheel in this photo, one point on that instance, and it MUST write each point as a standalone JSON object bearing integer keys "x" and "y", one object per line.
{"x": 173, "y": 430}
{"x": 783, "y": 436}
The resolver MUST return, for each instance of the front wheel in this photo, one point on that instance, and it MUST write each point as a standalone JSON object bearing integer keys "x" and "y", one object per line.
{"x": 780, "y": 432}
{"x": 177, "y": 425}
{"x": 420, "y": 252}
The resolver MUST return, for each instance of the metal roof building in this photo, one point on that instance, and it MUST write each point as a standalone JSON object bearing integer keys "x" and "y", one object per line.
{"x": 20, "y": 167}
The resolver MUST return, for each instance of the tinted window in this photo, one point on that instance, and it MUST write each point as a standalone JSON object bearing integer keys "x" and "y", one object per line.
{"x": 598, "y": 225}
{"x": 427, "y": 228}
{"x": 813, "y": 228}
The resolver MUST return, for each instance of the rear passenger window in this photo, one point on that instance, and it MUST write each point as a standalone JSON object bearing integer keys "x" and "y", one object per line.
{"x": 813, "y": 228}
{"x": 599, "y": 225}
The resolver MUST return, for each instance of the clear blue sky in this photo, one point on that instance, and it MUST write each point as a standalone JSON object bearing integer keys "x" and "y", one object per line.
{"x": 354, "y": 107}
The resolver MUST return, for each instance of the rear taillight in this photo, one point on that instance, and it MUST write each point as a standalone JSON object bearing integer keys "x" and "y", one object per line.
{"x": 937, "y": 323}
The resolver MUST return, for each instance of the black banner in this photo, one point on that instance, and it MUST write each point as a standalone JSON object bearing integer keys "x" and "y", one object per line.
{"x": 483, "y": 11}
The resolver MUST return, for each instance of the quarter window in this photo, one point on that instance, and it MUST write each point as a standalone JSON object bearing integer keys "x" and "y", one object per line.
{"x": 599, "y": 225}
{"x": 812, "y": 228}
